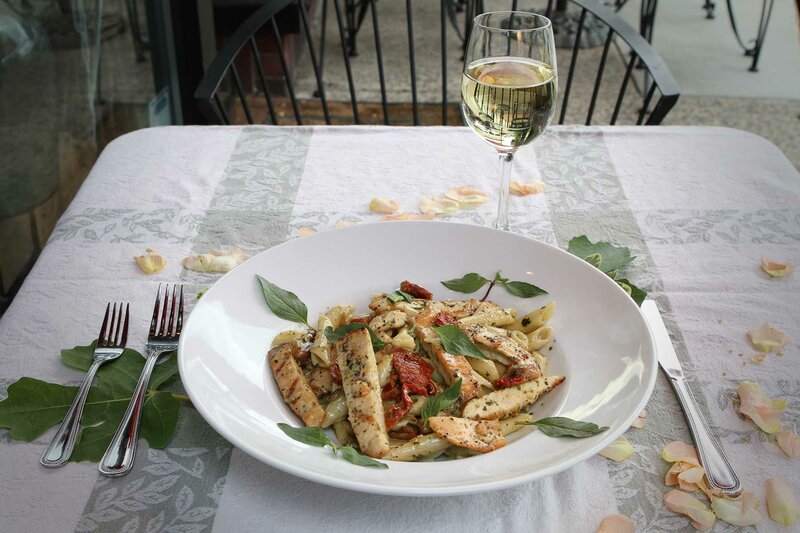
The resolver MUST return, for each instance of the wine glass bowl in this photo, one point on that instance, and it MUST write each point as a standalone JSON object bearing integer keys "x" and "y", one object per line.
{"x": 509, "y": 86}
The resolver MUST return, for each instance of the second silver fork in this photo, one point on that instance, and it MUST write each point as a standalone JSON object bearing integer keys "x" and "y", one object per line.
{"x": 165, "y": 330}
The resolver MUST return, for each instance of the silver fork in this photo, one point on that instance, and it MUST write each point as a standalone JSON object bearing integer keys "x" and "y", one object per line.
{"x": 110, "y": 343}
{"x": 163, "y": 337}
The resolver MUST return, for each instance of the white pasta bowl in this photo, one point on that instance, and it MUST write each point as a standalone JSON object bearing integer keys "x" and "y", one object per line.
{"x": 602, "y": 345}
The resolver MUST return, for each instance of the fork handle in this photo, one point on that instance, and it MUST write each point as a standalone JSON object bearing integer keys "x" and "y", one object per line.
{"x": 719, "y": 471}
{"x": 121, "y": 452}
{"x": 60, "y": 448}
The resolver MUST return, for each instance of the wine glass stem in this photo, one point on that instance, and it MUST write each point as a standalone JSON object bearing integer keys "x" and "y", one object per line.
{"x": 505, "y": 180}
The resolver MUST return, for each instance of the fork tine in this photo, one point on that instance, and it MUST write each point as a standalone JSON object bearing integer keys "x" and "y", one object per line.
{"x": 112, "y": 326}
{"x": 171, "y": 313}
{"x": 179, "y": 325}
{"x": 119, "y": 327}
{"x": 155, "y": 312}
{"x": 124, "y": 340}
{"x": 162, "y": 326}
{"x": 101, "y": 337}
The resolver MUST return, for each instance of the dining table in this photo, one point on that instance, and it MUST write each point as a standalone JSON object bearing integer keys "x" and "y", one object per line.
{"x": 699, "y": 207}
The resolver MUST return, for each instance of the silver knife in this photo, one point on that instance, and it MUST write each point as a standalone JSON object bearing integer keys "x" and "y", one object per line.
{"x": 719, "y": 471}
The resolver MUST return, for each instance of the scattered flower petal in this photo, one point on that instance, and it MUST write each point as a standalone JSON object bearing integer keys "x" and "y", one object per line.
{"x": 216, "y": 260}
{"x": 671, "y": 478}
{"x": 757, "y": 358}
{"x": 781, "y": 503}
{"x": 789, "y": 442}
{"x": 524, "y": 189}
{"x": 616, "y": 523}
{"x": 680, "y": 451}
{"x": 640, "y": 420}
{"x": 305, "y": 232}
{"x": 467, "y": 196}
{"x": 409, "y": 216}
{"x": 688, "y": 479}
{"x": 438, "y": 206}
{"x": 150, "y": 263}
{"x": 382, "y": 205}
{"x": 343, "y": 224}
{"x": 768, "y": 338}
{"x": 742, "y": 511}
{"x": 775, "y": 269}
{"x": 679, "y": 502}
{"x": 618, "y": 451}
{"x": 764, "y": 411}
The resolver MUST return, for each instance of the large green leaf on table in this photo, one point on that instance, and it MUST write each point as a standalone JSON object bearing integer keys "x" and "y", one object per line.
{"x": 602, "y": 255}
{"x": 33, "y": 406}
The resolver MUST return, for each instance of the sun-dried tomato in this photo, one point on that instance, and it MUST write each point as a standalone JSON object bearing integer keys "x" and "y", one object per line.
{"x": 392, "y": 389}
{"x": 362, "y": 319}
{"x": 414, "y": 372}
{"x": 509, "y": 380}
{"x": 443, "y": 318}
{"x": 399, "y": 409}
{"x": 336, "y": 374}
{"x": 415, "y": 290}
{"x": 407, "y": 432}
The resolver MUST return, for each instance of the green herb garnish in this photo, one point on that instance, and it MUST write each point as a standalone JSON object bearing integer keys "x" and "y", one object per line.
{"x": 334, "y": 335}
{"x": 398, "y": 295}
{"x": 435, "y": 404}
{"x": 609, "y": 259}
{"x": 456, "y": 342}
{"x": 561, "y": 426}
{"x": 314, "y": 436}
{"x": 473, "y": 281}
{"x": 283, "y": 303}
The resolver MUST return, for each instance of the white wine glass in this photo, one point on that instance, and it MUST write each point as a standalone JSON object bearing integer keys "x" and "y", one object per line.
{"x": 510, "y": 86}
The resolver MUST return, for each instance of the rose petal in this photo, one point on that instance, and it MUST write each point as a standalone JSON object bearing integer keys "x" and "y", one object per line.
{"x": 680, "y": 451}
{"x": 671, "y": 478}
{"x": 524, "y": 189}
{"x": 216, "y": 260}
{"x": 438, "y": 206}
{"x": 150, "y": 263}
{"x": 781, "y": 503}
{"x": 679, "y": 502}
{"x": 757, "y": 358}
{"x": 638, "y": 423}
{"x": 409, "y": 216}
{"x": 467, "y": 196}
{"x": 305, "y": 232}
{"x": 768, "y": 338}
{"x": 692, "y": 475}
{"x": 618, "y": 451}
{"x": 342, "y": 224}
{"x": 383, "y": 205}
{"x": 764, "y": 411}
{"x": 775, "y": 269}
{"x": 742, "y": 511}
{"x": 616, "y": 523}
{"x": 789, "y": 442}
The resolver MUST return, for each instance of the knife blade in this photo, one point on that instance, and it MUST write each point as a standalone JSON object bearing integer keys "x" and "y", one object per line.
{"x": 712, "y": 457}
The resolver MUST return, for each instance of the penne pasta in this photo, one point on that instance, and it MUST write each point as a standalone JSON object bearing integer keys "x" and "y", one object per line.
{"x": 535, "y": 319}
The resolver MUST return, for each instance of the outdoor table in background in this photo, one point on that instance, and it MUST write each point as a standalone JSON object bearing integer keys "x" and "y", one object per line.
{"x": 699, "y": 206}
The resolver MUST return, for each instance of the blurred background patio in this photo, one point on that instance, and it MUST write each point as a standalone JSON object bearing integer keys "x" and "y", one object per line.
{"x": 75, "y": 74}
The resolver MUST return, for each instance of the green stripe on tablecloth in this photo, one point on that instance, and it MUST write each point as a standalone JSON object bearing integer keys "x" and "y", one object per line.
{"x": 585, "y": 196}
{"x": 178, "y": 489}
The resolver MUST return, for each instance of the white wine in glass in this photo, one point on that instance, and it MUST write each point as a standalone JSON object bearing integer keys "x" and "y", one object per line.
{"x": 510, "y": 86}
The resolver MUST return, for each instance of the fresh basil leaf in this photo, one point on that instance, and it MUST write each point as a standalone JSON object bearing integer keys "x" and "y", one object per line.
{"x": 398, "y": 295}
{"x": 633, "y": 291}
{"x": 351, "y": 455}
{"x": 456, "y": 342}
{"x": 522, "y": 289}
{"x": 200, "y": 293}
{"x": 435, "y": 404}
{"x": 499, "y": 279}
{"x": 602, "y": 255}
{"x": 468, "y": 283}
{"x": 334, "y": 335}
{"x": 561, "y": 426}
{"x": 313, "y": 436}
{"x": 283, "y": 303}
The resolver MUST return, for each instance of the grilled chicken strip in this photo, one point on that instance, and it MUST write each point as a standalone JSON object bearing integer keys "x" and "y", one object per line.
{"x": 452, "y": 366}
{"x": 477, "y": 435}
{"x": 362, "y": 391}
{"x": 293, "y": 385}
{"x": 508, "y": 402}
{"x": 522, "y": 365}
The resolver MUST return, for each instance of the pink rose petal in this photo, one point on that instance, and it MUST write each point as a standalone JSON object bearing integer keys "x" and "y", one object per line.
{"x": 699, "y": 515}
{"x": 618, "y": 451}
{"x": 781, "y": 503}
{"x": 438, "y": 206}
{"x": 525, "y": 189}
{"x": 764, "y": 411}
{"x": 680, "y": 451}
{"x": 216, "y": 260}
{"x": 409, "y": 216}
{"x": 768, "y": 338}
{"x": 383, "y": 205}
{"x": 305, "y": 232}
{"x": 775, "y": 269}
{"x": 150, "y": 263}
{"x": 467, "y": 196}
{"x": 616, "y": 523}
{"x": 671, "y": 479}
{"x": 789, "y": 442}
{"x": 742, "y": 511}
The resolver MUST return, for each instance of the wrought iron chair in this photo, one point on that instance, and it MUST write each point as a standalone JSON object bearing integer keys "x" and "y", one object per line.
{"x": 223, "y": 98}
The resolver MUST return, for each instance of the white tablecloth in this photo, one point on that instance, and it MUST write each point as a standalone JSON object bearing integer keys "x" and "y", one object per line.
{"x": 698, "y": 206}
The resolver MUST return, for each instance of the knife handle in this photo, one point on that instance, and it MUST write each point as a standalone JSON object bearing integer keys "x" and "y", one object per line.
{"x": 719, "y": 471}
